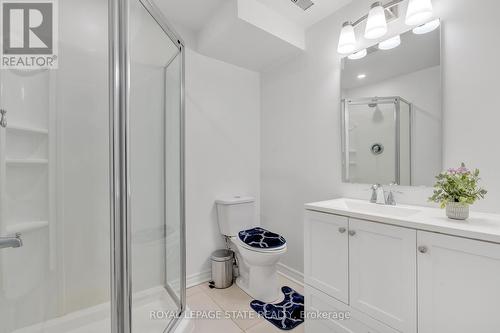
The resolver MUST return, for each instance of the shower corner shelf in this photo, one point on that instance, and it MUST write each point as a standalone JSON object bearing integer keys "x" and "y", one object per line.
{"x": 32, "y": 130}
{"x": 31, "y": 161}
{"x": 25, "y": 227}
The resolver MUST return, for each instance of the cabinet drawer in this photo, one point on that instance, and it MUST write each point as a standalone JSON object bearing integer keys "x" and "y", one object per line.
{"x": 317, "y": 301}
{"x": 326, "y": 255}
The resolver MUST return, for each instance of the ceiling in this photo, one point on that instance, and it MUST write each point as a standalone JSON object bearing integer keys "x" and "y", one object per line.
{"x": 320, "y": 10}
{"x": 229, "y": 30}
{"x": 192, "y": 14}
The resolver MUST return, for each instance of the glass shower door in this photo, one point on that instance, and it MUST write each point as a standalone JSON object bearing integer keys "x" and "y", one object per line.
{"x": 57, "y": 147}
{"x": 377, "y": 141}
{"x": 54, "y": 183}
{"x": 371, "y": 138}
{"x": 155, "y": 170}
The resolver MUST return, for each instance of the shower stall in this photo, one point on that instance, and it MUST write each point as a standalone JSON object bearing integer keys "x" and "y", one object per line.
{"x": 377, "y": 140}
{"x": 91, "y": 177}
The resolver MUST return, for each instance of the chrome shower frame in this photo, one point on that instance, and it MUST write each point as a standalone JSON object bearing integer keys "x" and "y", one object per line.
{"x": 119, "y": 64}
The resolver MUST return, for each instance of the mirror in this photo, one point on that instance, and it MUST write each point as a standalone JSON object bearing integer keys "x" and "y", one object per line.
{"x": 392, "y": 113}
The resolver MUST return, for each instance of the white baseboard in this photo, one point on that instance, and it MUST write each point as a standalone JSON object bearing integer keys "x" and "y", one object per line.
{"x": 198, "y": 278}
{"x": 290, "y": 273}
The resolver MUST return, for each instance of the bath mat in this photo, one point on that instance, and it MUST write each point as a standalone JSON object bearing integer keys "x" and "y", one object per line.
{"x": 285, "y": 315}
{"x": 261, "y": 238}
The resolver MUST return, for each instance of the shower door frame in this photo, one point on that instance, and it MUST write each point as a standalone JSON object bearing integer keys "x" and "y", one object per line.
{"x": 396, "y": 100}
{"x": 119, "y": 61}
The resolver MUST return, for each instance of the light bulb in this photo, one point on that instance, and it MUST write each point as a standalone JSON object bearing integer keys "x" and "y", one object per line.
{"x": 361, "y": 76}
{"x": 358, "y": 55}
{"x": 347, "y": 40}
{"x": 390, "y": 43}
{"x": 427, "y": 27}
{"x": 418, "y": 12}
{"x": 376, "y": 25}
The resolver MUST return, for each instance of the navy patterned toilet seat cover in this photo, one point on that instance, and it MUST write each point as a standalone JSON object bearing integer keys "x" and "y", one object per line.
{"x": 261, "y": 238}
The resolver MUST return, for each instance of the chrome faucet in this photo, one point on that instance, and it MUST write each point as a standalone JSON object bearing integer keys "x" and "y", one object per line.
{"x": 373, "y": 198}
{"x": 378, "y": 195}
{"x": 11, "y": 242}
{"x": 390, "y": 199}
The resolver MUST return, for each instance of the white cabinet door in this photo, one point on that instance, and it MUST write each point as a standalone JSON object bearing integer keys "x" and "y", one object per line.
{"x": 328, "y": 315}
{"x": 326, "y": 254}
{"x": 458, "y": 285}
{"x": 383, "y": 273}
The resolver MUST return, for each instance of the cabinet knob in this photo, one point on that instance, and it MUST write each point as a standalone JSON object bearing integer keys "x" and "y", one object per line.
{"x": 422, "y": 249}
{"x": 342, "y": 230}
{"x": 352, "y": 233}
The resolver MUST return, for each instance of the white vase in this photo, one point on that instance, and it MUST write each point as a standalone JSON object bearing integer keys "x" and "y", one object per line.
{"x": 457, "y": 210}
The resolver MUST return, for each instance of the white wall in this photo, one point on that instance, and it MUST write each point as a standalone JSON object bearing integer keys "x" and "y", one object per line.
{"x": 222, "y": 148}
{"x": 301, "y": 121}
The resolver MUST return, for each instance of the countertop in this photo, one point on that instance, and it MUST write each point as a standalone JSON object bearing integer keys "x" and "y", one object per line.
{"x": 480, "y": 226}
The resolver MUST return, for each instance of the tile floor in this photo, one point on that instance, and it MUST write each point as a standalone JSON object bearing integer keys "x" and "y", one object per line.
{"x": 201, "y": 297}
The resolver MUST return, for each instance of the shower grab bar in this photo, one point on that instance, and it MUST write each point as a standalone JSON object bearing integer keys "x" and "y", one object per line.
{"x": 11, "y": 242}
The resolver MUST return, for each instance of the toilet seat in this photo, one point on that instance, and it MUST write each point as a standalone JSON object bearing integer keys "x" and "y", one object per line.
{"x": 242, "y": 244}
{"x": 261, "y": 239}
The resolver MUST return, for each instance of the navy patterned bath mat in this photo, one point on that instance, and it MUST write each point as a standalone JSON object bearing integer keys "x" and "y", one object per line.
{"x": 285, "y": 315}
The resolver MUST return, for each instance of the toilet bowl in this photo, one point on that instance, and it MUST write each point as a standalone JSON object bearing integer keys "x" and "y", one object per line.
{"x": 257, "y": 255}
{"x": 258, "y": 271}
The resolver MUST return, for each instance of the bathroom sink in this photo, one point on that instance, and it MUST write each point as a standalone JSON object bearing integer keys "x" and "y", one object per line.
{"x": 371, "y": 208}
{"x": 480, "y": 226}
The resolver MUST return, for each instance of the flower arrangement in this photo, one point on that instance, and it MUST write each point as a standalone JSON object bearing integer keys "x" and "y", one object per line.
{"x": 456, "y": 189}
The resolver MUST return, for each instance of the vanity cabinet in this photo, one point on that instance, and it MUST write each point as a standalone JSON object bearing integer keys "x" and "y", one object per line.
{"x": 458, "y": 285}
{"x": 356, "y": 322}
{"x": 327, "y": 255}
{"x": 382, "y": 271}
{"x": 398, "y": 279}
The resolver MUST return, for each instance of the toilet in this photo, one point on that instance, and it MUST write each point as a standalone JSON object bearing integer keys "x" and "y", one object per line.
{"x": 257, "y": 250}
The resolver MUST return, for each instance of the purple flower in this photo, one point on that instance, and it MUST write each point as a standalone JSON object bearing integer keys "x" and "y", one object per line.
{"x": 459, "y": 171}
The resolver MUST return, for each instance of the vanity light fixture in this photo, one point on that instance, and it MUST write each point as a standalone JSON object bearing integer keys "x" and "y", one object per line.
{"x": 427, "y": 27}
{"x": 379, "y": 15}
{"x": 358, "y": 55}
{"x": 347, "y": 41}
{"x": 418, "y": 12}
{"x": 376, "y": 24}
{"x": 361, "y": 76}
{"x": 390, "y": 43}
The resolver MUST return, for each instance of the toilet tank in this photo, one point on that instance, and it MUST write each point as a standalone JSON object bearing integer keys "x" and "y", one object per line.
{"x": 235, "y": 214}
